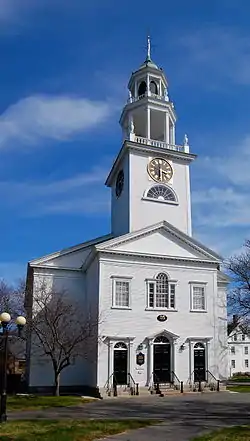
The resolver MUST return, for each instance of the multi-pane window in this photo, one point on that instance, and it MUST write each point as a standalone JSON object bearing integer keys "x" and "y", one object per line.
{"x": 198, "y": 298}
{"x": 121, "y": 293}
{"x": 246, "y": 363}
{"x": 246, "y": 350}
{"x": 233, "y": 363}
{"x": 232, "y": 349}
{"x": 243, "y": 337}
{"x": 235, "y": 337}
{"x": 161, "y": 293}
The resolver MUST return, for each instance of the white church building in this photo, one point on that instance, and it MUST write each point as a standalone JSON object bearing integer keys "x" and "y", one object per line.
{"x": 160, "y": 291}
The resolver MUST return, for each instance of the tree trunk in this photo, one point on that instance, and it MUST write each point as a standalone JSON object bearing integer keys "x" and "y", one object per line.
{"x": 57, "y": 384}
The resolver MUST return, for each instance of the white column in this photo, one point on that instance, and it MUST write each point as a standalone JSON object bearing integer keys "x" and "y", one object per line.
{"x": 136, "y": 89}
{"x": 167, "y": 129}
{"x": 160, "y": 89}
{"x": 130, "y": 359}
{"x": 151, "y": 360}
{"x": 148, "y": 86}
{"x": 110, "y": 359}
{"x": 207, "y": 346}
{"x": 148, "y": 123}
{"x": 173, "y": 367}
{"x": 191, "y": 359}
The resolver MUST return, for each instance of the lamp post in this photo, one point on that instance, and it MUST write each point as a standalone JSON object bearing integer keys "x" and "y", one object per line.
{"x": 5, "y": 319}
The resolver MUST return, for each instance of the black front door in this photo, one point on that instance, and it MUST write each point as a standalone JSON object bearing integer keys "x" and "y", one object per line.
{"x": 162, "y": 363}
{"x": 199, "y": 365}
{"x": 120, "y": 366}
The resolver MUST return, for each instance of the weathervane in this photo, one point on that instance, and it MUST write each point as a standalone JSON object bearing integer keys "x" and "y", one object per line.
{"x": 149, "y": 49}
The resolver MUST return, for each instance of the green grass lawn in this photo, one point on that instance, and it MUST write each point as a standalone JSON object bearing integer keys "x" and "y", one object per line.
{"x": 242, "y": 388}
{"x": 240, "y": 433}
{"x": 67, "y": 430}
{"x": 31, "y": 402}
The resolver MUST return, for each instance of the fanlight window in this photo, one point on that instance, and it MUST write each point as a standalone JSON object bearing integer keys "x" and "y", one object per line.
{"x": 161, "y": 339}
{"x": 199, "y": 346}
{"x": 120, "y": 345}
{"x": 161, "y": 193}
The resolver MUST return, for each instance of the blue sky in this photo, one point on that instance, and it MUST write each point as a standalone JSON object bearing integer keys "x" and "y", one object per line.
{"x": 64, "y": 71}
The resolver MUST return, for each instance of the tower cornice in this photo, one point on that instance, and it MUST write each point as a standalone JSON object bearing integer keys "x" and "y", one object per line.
{"x": 131, "y": 146}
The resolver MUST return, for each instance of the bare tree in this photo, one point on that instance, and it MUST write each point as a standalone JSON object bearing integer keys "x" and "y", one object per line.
{"x": 12, "y": 297}
{"x": 61, "y": 330}
{"x": 239, "y": 295}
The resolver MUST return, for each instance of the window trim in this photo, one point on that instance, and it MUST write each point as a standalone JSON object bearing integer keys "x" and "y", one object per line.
{"x": 246, "y": 363}
{"x": 232, "y": 350}
{"x": 158, "y": 308}
{"x": 246, "y": 350}
{"x": 200, "y": 285}
{"x": 120, "y": 279}
{"x": 233, "y": 362}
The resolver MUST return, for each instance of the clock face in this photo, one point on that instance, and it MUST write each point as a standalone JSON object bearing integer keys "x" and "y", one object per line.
{"x": 119, "y": 183}
{"x": 160, "y": 170}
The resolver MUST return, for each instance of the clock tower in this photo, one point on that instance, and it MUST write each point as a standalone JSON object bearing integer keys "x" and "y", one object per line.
{"x": 150, "y": 177}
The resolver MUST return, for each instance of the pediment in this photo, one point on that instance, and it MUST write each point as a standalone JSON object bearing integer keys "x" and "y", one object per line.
{"x": 161, "y": 240}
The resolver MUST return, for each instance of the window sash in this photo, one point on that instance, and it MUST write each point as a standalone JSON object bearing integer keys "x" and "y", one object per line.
{"x": 160, "y": 300}
{"x": 233, "y": 363}
{"x": 246, "y": 363}
{"x": 232, "y": 350}
{"x": 198, "y": 298}
{"x": 246, "y": 350}
{"x": 121, "y": 298}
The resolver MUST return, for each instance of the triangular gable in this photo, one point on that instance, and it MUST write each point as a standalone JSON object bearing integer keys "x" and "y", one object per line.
{"x": 165, "y": 333}
{"x": 161, "y": 239}
{"x": 72, "y": 257}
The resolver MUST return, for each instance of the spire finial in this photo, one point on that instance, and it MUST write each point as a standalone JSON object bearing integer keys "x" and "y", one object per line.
{"x": 148, "y": 49}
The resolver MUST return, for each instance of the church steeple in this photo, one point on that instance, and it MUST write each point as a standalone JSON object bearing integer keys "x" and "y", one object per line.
{"x": 149, "y": 116}
{"x": 150, "y": 177}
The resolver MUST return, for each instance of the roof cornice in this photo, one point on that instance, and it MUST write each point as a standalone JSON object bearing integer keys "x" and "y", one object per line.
{"x": 132, "y": 255}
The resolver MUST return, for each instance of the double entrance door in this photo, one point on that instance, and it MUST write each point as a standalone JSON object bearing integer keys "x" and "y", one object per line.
{"x": 162, "y": 362}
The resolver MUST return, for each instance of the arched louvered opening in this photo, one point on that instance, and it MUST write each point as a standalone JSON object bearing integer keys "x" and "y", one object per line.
{"x": 153, "y": 87}
{"x": 142, "y": 88}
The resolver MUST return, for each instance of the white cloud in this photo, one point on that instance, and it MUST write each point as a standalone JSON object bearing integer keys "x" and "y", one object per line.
{"x": 50, "y": 117}
{"x": 221, "y": 207}
{"x": 214, "y": 54}
{"x": 232, "y": 164}
{"x": 16, "y": 11}
{"x": 81, "y": 194}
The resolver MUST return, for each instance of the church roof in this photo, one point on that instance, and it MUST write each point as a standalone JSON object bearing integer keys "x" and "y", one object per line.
{"x": 148, "y": 63}
{"x": 72, "y": 249}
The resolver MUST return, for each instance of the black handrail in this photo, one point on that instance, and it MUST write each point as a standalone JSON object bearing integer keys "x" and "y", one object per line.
{"x": 135, "y": 389}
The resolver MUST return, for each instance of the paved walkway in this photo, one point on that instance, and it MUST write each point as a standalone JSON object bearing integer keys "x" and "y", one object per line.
{"x": 183, "y": 416}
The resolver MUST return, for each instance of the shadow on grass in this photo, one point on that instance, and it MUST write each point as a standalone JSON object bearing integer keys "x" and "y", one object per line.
{"x": 237, "y": 433}
{"x": 69, "y": 430}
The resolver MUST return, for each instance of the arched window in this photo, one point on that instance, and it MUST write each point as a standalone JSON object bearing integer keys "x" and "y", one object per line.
{"x": 162, "y": 291}
{"x": 120, "y": 345}
{"x": 153, "y": 88}
{"x": 142, "y": 88}
{"x": 161, "y": 339}
{"x": 161, "y": 193}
